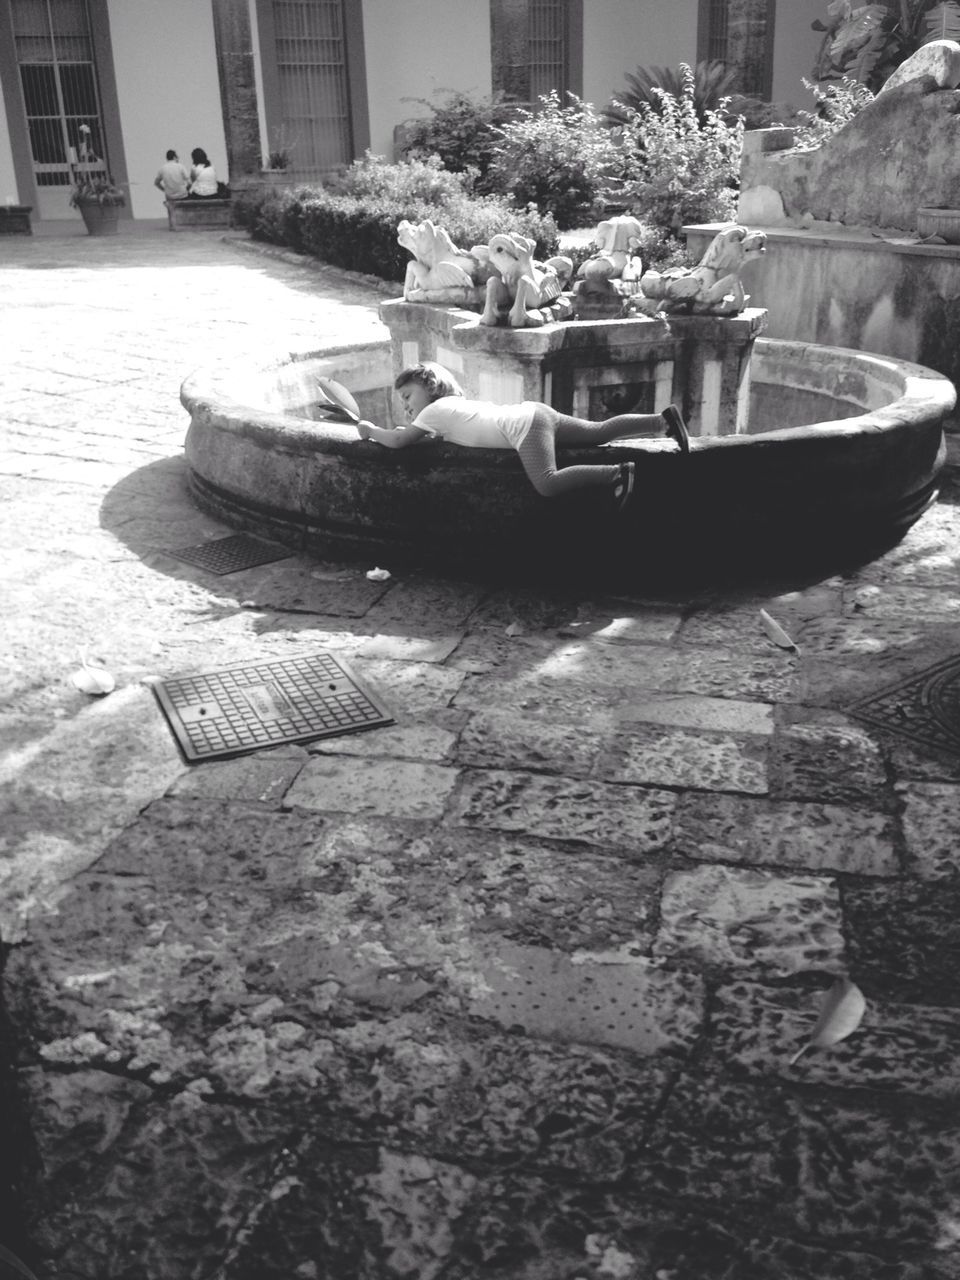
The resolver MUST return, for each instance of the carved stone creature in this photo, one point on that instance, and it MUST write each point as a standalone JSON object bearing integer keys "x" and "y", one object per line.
{"x": 713, "y": 286}
{"x": 530, "y": 293}
{"x": 617, "y": 240}
{"x": 437, "y": 263}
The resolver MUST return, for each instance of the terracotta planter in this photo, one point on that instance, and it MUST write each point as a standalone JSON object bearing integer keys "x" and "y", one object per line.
{"x": 100, "y": 219}
{"x": 939, "y": 222}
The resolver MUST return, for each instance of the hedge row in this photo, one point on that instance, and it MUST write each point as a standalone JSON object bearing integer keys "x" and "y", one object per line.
{"x": 361, "y": 235}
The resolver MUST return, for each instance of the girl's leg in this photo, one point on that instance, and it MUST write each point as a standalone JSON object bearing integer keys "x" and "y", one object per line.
{"x": 578, "y": 431}
{"x": 538, "y": 454}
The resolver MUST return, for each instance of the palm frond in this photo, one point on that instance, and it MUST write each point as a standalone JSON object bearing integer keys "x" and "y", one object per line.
{"x": 942, "y": 22}
{"x": 713, "y": 79}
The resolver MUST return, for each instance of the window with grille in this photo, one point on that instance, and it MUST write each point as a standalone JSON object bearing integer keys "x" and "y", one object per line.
{"x": 54, "y": 52}
{"x": 536, "y": 47}
{"x": 311, "y": 62}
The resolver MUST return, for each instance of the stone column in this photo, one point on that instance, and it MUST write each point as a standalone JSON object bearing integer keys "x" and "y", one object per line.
{"x": 238, "y": 90}
{"x": 712, "y": 374}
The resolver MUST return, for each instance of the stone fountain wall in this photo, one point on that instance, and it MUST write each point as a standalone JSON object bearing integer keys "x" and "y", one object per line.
{"x": 591, "y": 368}
{"x": 845, "y": 265}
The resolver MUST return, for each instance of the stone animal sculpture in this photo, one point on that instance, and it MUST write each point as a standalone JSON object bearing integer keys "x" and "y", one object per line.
{"x": 529, "y": 293}
{"x": 437, "y": 263}
{"x": 617, "y": 240}
{"x": 713, "y": 286}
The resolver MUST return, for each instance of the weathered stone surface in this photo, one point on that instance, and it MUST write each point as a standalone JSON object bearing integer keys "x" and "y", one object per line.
{"x": 938, "y": 58}
{"x": 644, "y": 624}
{"x": 415, "y": 648}
{"x": 623, "y": 819}
{"x": 261, "y": 778}
{"x": 737, "y": 917}
{"x": 503, "y": 739}
{"x": 64, "y": 802}
{"x": 731, "y": 715}
{"x": 635, "y": 1006}
{"x": 433, "y": 739}
{"x": 397, "y": 789}
{"x": 440, "y": 605}
{"x": 821, "y": 1171}
{"x": 410, "y": 688}
{"x": 904, "y": 939}
{"x": 918, "y": 604}
{"x": 533, "y": 894}
{"x": 931, "y": 829}
{"x": 294, "y": 587}
{"x": 897, "y": 1047}
{"x": 786, "y": 833}
{"x": 671, "y": 757}
{"x": 836, "y": 763}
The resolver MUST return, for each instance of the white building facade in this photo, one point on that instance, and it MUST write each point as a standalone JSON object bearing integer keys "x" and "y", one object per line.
{"x": 327, "y": 80}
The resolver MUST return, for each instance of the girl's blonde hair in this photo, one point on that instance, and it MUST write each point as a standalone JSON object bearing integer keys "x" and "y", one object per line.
{"x": 437, "y": 380}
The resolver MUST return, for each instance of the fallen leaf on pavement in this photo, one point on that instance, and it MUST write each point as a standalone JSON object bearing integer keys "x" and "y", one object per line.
{"x": 776, "y": 632}
{"x": 841, "y": 1012}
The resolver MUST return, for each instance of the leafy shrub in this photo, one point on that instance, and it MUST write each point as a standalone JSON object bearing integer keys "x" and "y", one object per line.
{"x": 360, "y": 234}
{"x": 562, "y": 159}
{"x": 678, "y": 168}
{"x": 837, "y": 103}
{"x": 423, "y": 181}
{"x": 462, "y": 132}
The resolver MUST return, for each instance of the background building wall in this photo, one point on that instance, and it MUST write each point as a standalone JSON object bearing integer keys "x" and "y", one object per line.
{"x": 8, "y": 179}
{"x": 169, "y": 94}
{"x": 795, "y": 49}
{"x": 444, "y": 45}
{"x": 621, "y": 35}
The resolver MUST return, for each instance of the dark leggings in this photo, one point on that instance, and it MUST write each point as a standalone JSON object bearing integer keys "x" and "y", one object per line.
{"x": 550, "y": 430}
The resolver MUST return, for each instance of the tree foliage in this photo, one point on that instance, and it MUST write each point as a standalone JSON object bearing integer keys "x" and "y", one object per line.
{"x": 869, "y": 41}
{"x": 713, "y": 80}
{"x": 678, "y": 167}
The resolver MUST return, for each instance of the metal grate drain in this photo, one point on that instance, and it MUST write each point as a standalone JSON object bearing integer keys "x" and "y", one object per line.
{"x": 230, "y": 554}
{"x": 634, "y": 1006}
{"x": 924, "y": 708}
{"x": 228, "y": 713}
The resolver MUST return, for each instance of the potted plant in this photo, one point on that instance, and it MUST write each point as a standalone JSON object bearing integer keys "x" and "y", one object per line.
{"x": 276, "y": 163}
{"x": 99, "y": 199}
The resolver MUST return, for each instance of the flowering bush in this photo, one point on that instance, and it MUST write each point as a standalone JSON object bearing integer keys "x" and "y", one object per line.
{"x": 677, "y": 167}
{"x": 561, "y": 159}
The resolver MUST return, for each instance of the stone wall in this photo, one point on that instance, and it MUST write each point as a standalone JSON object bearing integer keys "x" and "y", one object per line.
{"x": 899, "y": 153}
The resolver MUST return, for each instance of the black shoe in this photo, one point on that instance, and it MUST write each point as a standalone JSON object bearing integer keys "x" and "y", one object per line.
{"x": 676, "y": 427}
{"x": 623, "y": 486}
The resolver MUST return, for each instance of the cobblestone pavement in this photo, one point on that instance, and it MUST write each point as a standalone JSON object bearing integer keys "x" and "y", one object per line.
{"x": 510, "y": 989}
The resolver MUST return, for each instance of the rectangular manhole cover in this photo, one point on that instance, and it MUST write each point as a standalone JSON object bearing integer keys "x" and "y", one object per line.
{"x": 230, "y": 554}
{"x": 227, "y": 713}
{"x": 924, "y": 707}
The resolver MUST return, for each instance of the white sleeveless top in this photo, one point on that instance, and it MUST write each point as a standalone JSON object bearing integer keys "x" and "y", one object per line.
{"x": 478, "y": 424}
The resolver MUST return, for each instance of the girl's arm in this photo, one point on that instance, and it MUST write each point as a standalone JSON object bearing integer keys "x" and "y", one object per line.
{"x": 393, "y": 438}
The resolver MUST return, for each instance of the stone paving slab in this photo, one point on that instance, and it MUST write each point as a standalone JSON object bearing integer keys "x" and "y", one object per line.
{"x": 897, "y": 1049}
{"x": 630, "y": 821}
{"x": 740, "y": 918}
{"x": 820, "y": 837}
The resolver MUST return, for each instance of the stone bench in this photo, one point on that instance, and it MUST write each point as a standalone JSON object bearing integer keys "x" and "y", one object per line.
{"x": 198, "y": 215}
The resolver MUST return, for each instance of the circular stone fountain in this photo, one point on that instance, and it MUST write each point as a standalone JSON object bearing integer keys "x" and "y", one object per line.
{"x": 833, "y": 453}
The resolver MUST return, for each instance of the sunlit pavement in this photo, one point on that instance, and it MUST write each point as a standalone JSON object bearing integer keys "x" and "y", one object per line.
{"x": 510, "y": 988}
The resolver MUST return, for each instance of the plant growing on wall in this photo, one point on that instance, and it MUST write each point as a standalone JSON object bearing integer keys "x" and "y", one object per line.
{"x": 869, "y": 41}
